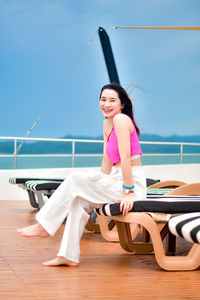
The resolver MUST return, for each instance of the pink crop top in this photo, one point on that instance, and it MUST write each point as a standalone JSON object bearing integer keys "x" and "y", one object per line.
{"x": 112, "y": 150}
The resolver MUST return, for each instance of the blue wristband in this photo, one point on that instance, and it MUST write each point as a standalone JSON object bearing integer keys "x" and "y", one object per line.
{"x": 128, "y": 187}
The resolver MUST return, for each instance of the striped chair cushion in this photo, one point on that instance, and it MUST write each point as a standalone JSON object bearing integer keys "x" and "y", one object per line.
{"x": 163, "y": 204}
{"x": 186, "y": 226}
{"x": 39, "y": 185}
{"x": 158, "y": 191}
{"x": 20, "y": 180}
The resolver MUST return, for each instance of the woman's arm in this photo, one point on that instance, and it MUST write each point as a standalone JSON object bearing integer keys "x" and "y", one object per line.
{"x": 123, "y": 129}
{"x": 106, "y": 165}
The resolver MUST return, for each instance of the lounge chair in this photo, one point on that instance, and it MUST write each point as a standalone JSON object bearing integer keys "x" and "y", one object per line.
{"x": 155, "y": 187}
{"x": 150, "y": 214}
{"x": 41, "y": 189}
{"x": 163, "y": 187}
{"x": 33, "y": 196}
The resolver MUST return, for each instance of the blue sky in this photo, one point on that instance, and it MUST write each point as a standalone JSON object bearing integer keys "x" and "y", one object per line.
{"x": 46, "y": 59}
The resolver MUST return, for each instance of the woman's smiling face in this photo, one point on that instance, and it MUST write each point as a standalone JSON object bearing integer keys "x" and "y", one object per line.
{"x": 110, "y": 104}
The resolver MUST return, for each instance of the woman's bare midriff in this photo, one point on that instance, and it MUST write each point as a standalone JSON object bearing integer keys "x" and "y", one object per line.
{"x": 134, "y": 163}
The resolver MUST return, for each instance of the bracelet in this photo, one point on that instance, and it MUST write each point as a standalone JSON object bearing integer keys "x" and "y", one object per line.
{"x": 128, "y": 187}
{"x": 128, "y": 192}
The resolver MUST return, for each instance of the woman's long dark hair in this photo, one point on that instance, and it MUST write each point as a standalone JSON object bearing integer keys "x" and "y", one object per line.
{"x": 124, "y": 98}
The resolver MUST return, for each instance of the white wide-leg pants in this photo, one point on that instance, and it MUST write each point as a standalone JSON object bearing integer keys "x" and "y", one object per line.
{"x": 76, "y": 196}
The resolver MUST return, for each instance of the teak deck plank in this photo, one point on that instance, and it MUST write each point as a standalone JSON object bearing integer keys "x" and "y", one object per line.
{"x": 105, "y": 270}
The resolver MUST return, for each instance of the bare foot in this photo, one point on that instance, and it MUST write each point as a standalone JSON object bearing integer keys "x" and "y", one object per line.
{"x": 35, "y": 230}
{"x": 60, "y": 261}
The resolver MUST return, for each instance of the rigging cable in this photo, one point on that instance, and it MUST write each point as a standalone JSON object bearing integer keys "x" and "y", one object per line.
{"x": 57, "y": 90}
{"x": 158, "y": 27}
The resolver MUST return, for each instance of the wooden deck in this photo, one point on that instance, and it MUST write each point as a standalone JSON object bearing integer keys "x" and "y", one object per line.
{"x": 105, "y": 271}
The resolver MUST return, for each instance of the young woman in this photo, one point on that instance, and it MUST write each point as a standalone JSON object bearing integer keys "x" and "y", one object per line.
{"x": 121, "y": 179}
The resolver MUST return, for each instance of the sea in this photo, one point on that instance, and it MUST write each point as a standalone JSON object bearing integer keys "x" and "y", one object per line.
{"x": 7, "y": 163}
{"x": 33, "y": 155}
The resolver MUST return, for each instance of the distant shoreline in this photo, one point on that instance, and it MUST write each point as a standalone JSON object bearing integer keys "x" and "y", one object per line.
{"x": 41, "y": 147}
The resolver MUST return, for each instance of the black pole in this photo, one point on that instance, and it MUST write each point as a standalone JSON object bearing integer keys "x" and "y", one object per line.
{"x": 108, "y": 55}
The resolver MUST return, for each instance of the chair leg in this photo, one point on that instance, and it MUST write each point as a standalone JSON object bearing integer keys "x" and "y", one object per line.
{"x": 32, "y": 199}
{"x": 40, "y": 198}
{"x": 170, "y": 244}
{"x": 107, "y": 229}
{"x": 109, "y": 232}
{"x": 91, "y": 226}
{"x": 146, "y": 236}
{"x": 127, "y": 242}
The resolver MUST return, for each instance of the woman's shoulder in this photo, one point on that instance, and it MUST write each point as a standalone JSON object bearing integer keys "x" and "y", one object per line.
{"x": 122, "y": 119}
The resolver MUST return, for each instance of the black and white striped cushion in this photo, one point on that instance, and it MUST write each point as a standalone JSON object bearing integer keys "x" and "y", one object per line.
{"x": 39, "y": 185}
{"x": 20, "y": 180}
{"x": 186, "y": 226}
{"x": 163, "y": 204}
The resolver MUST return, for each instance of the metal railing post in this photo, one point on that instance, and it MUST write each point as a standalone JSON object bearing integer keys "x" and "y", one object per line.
{"x": 73, "y": 153}
{"x": 181, "y": 153}
{"x": 15, "y": 154}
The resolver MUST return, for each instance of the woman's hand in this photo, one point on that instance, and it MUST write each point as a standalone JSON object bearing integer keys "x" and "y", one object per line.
{"x": 126, "y": 204}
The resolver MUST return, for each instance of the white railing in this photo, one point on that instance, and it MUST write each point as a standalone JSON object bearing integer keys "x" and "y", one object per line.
{"x": 180, "y": 144}
{"x": 16, "y": 155}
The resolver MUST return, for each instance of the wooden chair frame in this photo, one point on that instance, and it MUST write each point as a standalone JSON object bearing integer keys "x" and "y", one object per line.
{"x": 167, "y": 184}
{"x": 171, "y": 263}
{"x": 108, "y": 229}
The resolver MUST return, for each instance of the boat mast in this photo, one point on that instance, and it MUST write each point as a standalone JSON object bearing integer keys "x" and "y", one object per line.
{"x": 108, "y": 55}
